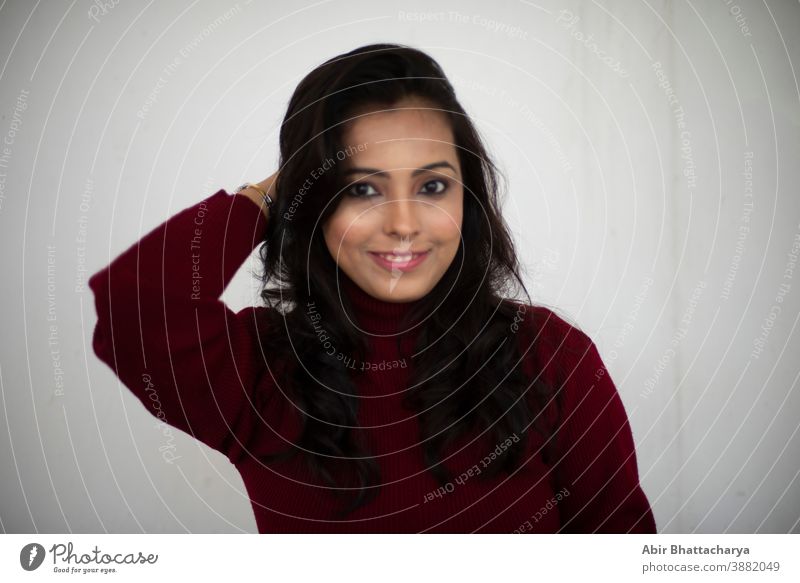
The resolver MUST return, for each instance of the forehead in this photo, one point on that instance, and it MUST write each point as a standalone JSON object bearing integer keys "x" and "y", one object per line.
{"x": 406, "y": 131}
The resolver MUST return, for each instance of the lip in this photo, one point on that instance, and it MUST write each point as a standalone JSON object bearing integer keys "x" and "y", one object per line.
{"x": 397, "y": 265}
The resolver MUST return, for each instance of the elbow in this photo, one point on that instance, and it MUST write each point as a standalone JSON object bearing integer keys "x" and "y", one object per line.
{"x": 99, "y": 285}
{"x": 99, "y": 343}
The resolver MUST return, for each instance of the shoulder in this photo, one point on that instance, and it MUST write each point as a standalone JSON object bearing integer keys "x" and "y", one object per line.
{"x": 552, "y": 344}
{"x": 546, "y": 325}
{"x": 263, "y": 322}
{"x": 264, "y": 326}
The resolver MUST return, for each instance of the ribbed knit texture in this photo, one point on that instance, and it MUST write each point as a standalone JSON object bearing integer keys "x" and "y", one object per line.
{"x": 160, "y": 319}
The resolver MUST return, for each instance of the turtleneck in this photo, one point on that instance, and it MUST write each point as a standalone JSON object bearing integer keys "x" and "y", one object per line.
{"x": 224, "y": 393}
{"x": 373, "y": 315}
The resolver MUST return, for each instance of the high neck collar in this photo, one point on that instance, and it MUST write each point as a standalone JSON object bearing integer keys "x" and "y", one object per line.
{"x": 373, "y": 315}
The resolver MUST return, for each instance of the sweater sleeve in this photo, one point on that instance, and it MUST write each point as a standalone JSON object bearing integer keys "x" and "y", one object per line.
{"x": 165, "y": 333}
{"x": 597, "y": 458}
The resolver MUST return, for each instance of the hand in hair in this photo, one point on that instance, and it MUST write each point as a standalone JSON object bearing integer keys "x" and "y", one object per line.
{"x": 268, "y": 185}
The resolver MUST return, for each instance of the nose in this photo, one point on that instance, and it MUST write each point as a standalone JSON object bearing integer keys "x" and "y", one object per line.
{"x": 401, "y": 217}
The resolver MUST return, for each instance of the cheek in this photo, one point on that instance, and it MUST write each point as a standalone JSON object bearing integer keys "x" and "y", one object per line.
{"x": 445, "y": 223}
{"x": 345, "y": 231}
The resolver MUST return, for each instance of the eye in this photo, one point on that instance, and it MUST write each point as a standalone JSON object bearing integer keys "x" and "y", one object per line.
{"x": 366, "y": 190}
{"x": 358, "y": 190}
{"x": 442, "y": 183}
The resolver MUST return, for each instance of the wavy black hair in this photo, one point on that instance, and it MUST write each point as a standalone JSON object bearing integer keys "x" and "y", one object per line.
{"x": 472, "y": 327}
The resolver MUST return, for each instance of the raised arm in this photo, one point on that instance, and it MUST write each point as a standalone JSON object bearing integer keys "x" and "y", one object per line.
{"x": 163, "y": 330}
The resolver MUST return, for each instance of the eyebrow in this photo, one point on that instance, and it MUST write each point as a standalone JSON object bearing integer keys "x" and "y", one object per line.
{"x": 384, "y": 174}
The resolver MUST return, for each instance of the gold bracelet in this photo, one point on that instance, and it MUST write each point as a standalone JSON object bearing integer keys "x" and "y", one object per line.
{"x": 267, "y": 199}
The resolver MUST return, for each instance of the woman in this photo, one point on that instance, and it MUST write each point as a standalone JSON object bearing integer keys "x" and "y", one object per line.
{"x": 386, "y": 385}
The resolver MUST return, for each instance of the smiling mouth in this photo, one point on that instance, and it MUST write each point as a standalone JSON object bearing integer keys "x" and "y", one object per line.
{"x": 401, "y": 261}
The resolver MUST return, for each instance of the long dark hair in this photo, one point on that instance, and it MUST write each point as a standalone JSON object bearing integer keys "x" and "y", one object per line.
{"x": 473, "y": 327}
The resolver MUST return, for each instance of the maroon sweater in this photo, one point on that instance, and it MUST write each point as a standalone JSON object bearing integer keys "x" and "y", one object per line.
{"x": 166, "y": 334}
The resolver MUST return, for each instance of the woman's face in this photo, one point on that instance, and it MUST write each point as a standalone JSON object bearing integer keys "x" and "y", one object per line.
{"x": 398, "y": 225}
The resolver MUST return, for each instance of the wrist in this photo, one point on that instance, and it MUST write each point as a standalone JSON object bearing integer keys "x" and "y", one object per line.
{"x": 260, "y": 197}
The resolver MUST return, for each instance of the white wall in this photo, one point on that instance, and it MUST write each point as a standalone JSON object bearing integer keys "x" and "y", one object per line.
{"x": 596, "y": 165}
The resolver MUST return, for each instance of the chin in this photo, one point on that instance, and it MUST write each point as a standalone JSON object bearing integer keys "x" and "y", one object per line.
{"x": 401, "y": 292}
{"x": 399, "y": 297}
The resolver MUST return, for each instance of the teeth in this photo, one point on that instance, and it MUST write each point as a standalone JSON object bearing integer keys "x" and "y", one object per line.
{"x": 397, "y": 258}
